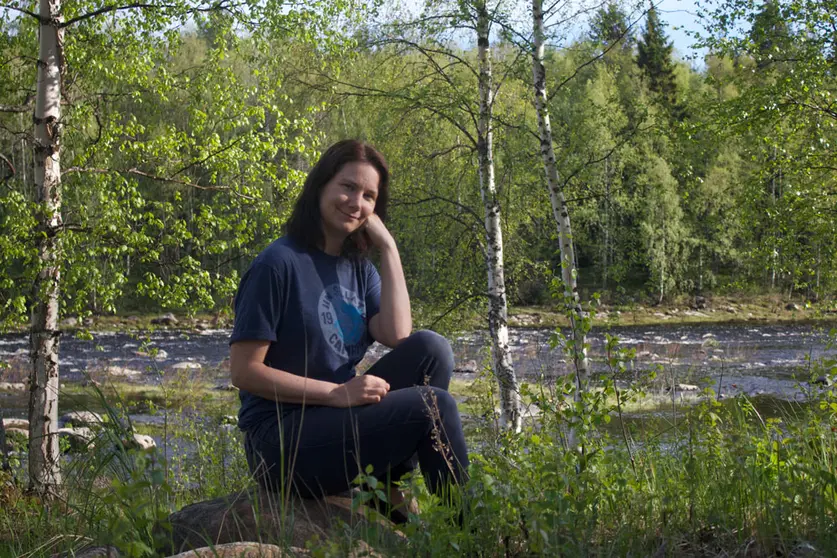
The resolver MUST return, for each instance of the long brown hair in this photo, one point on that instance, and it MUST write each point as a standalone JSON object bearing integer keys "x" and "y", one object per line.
{"x": 305, "y": 225}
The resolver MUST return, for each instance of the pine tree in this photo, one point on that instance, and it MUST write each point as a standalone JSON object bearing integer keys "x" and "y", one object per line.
{"x": 654, "y": 58}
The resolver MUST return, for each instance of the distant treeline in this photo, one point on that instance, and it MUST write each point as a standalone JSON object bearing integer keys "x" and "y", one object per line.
{"x": 183, "y": 152}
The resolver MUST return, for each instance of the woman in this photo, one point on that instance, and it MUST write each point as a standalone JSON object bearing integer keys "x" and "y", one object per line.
{"x": 306, "y": 312}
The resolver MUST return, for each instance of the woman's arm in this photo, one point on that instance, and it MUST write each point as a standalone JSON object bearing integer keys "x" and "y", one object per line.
{"x": 394, "y": 322}
{"x": 249, "y": 372}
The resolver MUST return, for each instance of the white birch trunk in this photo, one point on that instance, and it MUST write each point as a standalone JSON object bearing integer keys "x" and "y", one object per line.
{"x": 497, "y": 304}
{"x": 44, "y": 471}
{"x": 559, "y": 205}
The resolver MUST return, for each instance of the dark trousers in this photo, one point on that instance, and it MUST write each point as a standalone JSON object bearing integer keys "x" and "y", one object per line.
{"x": 322, "y": 449}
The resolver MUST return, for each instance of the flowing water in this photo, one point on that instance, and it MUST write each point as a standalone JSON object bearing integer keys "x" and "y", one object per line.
{"x": 767, "y": 359}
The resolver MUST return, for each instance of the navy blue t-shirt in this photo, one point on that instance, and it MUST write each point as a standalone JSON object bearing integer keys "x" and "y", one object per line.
{"x": 314, "y": 309}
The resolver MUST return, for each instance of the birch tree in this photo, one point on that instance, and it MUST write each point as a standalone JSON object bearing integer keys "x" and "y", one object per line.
{"x": 497, "y": 300}
{"x": 560, "y": 211}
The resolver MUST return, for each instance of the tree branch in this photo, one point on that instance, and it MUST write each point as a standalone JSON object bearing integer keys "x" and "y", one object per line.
{"x": 21, "y": 10}
{"x": 137, "y": 172}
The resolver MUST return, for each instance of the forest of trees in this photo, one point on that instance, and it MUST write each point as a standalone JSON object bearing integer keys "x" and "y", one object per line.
{"x": 185, "y": 137}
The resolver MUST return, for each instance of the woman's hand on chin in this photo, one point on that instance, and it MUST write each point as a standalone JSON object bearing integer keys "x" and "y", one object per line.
{"x": 377, "y": 232}
{"x": 360, "y": 390}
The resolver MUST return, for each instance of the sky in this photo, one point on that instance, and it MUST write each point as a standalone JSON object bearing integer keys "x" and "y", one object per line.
{"x": 680, "y": 17}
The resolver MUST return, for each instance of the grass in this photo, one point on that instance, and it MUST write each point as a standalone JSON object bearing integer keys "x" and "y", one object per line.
{"x": 742, "y": 477}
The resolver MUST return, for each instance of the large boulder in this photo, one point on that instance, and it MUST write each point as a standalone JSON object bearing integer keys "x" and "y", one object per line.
{"x": 16, "y": 423}
{"x": 260, "y": 515}
{"x": 81, "y": 418}
{"x": 80, "y": 439}
{"x": 91, "y": 552}
{"x": 242, "y": 550}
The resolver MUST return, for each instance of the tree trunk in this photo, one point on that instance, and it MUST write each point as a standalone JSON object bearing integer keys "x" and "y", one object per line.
{"x": 44, "y": 471}
{"x": 560, "y": 210}
{"x": 497, "y": 304}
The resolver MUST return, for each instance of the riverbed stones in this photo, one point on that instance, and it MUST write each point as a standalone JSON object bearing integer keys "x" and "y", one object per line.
{"x": 259, "y": 515}
{"x": 12, "y": 386}
{"x": 122, "y": 372}
{"x": 165, "y": 319}
{"x": 81, "y": 418}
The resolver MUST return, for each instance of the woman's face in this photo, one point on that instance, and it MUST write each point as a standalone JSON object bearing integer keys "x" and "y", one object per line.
{"x": 348, "y": 200}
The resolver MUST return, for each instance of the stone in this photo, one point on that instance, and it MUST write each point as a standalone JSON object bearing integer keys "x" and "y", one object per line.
{"x": 16, "y": 423}
{"x": 80, "y": 439}
{"x": 700, "y": 303}
{"x": 80, "y": 418}
{"x": 69, "y": 323}
{"x": 792, "y": 306}
{"x": 16, "y": 438}
{"x": 239, "y": 550}
{"x": 141, "y": 441}
{"x": 165, "y": 319}
{"x": 158, "y": 355}
{"x": 468, "y": 367}
{"x": 186, "y": 366}
{"x": 122, "y": 372}
{"x": 686, "y": 387}
{"x": 91, "y": 552}
{"x": 12, "y": 386}
{"x": 233, "y": 518}
{"x": 823, "y": 381}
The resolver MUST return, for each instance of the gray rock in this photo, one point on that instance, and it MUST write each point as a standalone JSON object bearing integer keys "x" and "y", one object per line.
{"x": 239, "y": 550}
{"x": 12, "y": 386}
{"x": 257, "y": 514}
{"x": 16, "y": 438}
{"x": 69, "y": 323}
{"x": 16, "y": 423}
{"x": 141, "y": 441}
{"x": 226, "y": 387}
{"x": 122, "y": 372}
{"x": 686, "y": 387}
{"x": 186, "y": 366}
{"x": 80, "y": 439}
{"x": 91, "y": 552}
{"x": 81, "y": 418}
{"x": 165, "y": 319}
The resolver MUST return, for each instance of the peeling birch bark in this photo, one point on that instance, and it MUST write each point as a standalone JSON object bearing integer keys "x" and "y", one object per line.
{"x": 560, "y": 210}
{"x": 44, "y": 469}
{"x": 497, "y": 302}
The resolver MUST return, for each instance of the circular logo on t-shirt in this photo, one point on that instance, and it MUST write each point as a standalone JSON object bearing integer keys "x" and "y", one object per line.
{"x": 342, "y": 316}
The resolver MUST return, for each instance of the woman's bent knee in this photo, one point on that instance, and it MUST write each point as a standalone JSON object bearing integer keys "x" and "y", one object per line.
{"x": 434, "y": 345}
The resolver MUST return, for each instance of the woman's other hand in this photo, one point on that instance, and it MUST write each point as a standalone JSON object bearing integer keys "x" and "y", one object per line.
{"x": 360, "y": 390}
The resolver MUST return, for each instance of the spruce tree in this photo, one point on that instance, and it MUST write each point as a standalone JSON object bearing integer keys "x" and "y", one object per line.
{"x": 654, "y": 58}
{"x": 610, "y": 25}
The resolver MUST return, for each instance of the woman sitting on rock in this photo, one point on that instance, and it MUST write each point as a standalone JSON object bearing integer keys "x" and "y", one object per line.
{"x": 307, "y": 310}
